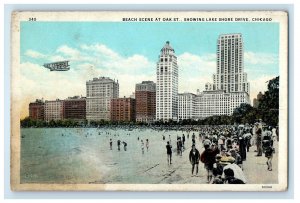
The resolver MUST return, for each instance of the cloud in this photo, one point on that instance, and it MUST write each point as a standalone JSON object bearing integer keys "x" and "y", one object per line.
{"x": 102, "y": 50}
{"x": 57, "y": 58}
{"x": 34, "y": 54}
{"x": 204, "y": 63}
{"x": 127, "y": 82}
{"x": 260, "y": 58}
{"x": 68, "y": 51}
{"x": 106, "y": 58}
{"x": 195, "y": 71}
{"x": 259, "y": 84}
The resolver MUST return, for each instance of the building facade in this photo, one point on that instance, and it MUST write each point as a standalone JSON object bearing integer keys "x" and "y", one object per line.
{"x": 53, "y": 110}
{"x": 186, "y": 106}
{"x": 167, "y": 84}
{"x": 37, "y": 110}
{"x": 74, "y": 108}
{"x": 230, "y": 75}
{"x": 99, "y": 92}
{"x": 122, "y": 109}
{"x": 145, "y": 95}
{"x": 218, "y": 102}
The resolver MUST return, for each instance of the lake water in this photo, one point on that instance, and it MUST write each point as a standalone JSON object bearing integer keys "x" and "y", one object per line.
{"x": 83, "y": 155}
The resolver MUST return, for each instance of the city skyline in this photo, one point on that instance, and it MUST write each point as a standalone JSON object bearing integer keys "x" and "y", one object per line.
{"x": 135, "y": 63}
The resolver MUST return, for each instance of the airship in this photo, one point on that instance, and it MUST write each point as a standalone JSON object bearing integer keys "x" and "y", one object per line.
{"x": 58, "y": 66}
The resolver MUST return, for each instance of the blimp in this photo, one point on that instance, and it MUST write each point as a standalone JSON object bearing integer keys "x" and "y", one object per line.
{"x": 58, "y": 66}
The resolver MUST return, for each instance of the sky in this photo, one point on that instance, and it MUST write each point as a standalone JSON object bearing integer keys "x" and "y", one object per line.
{"x": 128, "y": 52}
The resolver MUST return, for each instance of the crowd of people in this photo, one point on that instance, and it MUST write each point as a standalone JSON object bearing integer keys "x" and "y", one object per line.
{"x": 221, "y": 149}
{"x": 225, "y": 150}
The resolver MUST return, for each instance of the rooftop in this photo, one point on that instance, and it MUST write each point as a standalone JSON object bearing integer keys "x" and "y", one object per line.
{"x": 167, "y": 48}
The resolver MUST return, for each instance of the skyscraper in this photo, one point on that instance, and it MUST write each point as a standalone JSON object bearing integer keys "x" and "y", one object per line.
{"x": 99, "y": 92}
{"x": 230, "y": 88}
{"x": 167, "y": 84}
{"x": 230, "y": 75}
{"x": 145, "y": 95}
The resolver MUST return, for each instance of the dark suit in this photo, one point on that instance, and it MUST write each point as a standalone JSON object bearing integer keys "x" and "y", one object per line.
{"x": 194, "y": 159}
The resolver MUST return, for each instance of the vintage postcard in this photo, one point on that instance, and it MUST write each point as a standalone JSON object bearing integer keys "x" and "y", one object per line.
{"x": 149, "y": 101}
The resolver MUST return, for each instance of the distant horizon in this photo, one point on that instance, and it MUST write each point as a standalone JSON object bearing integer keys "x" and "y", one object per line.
{"x": 128, "y": 52}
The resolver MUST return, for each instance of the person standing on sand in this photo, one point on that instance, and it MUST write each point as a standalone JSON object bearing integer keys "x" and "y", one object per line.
{"x": 247, "y": 136}
{"x": 259, "y": 141}
{"x": 242, "y": 148}
{"x": 147, "y": 144}
{"x": 125, "y": 146}
{"x": 177, "y": 143}
{"x": 194, "y": 158}
{"x": 110, "y": 144}
{"x": 180, "y": 146}
{"x": 119, "y": 143}
{"x": 142, "y": 146}
{"x": 194, "y": 136}
{"x": 269, "y": 151}
{"x": 169, "y": 152}
{"x": 254, "y": 137}
{"x": 208, "y": 157}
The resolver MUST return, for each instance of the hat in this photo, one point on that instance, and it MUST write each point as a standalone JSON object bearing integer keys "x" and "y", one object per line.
{"x": 224, "y": 162}
{"x": 231, "y": 160}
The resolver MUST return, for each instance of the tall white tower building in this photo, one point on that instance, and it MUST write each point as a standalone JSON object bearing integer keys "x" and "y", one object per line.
{"x": 229, "y": 88}
{"x": 167, "y": 84}
{"x": 230, "y": 75}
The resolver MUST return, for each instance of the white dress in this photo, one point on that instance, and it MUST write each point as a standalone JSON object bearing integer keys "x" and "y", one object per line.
{"x": 238, "y": 172}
